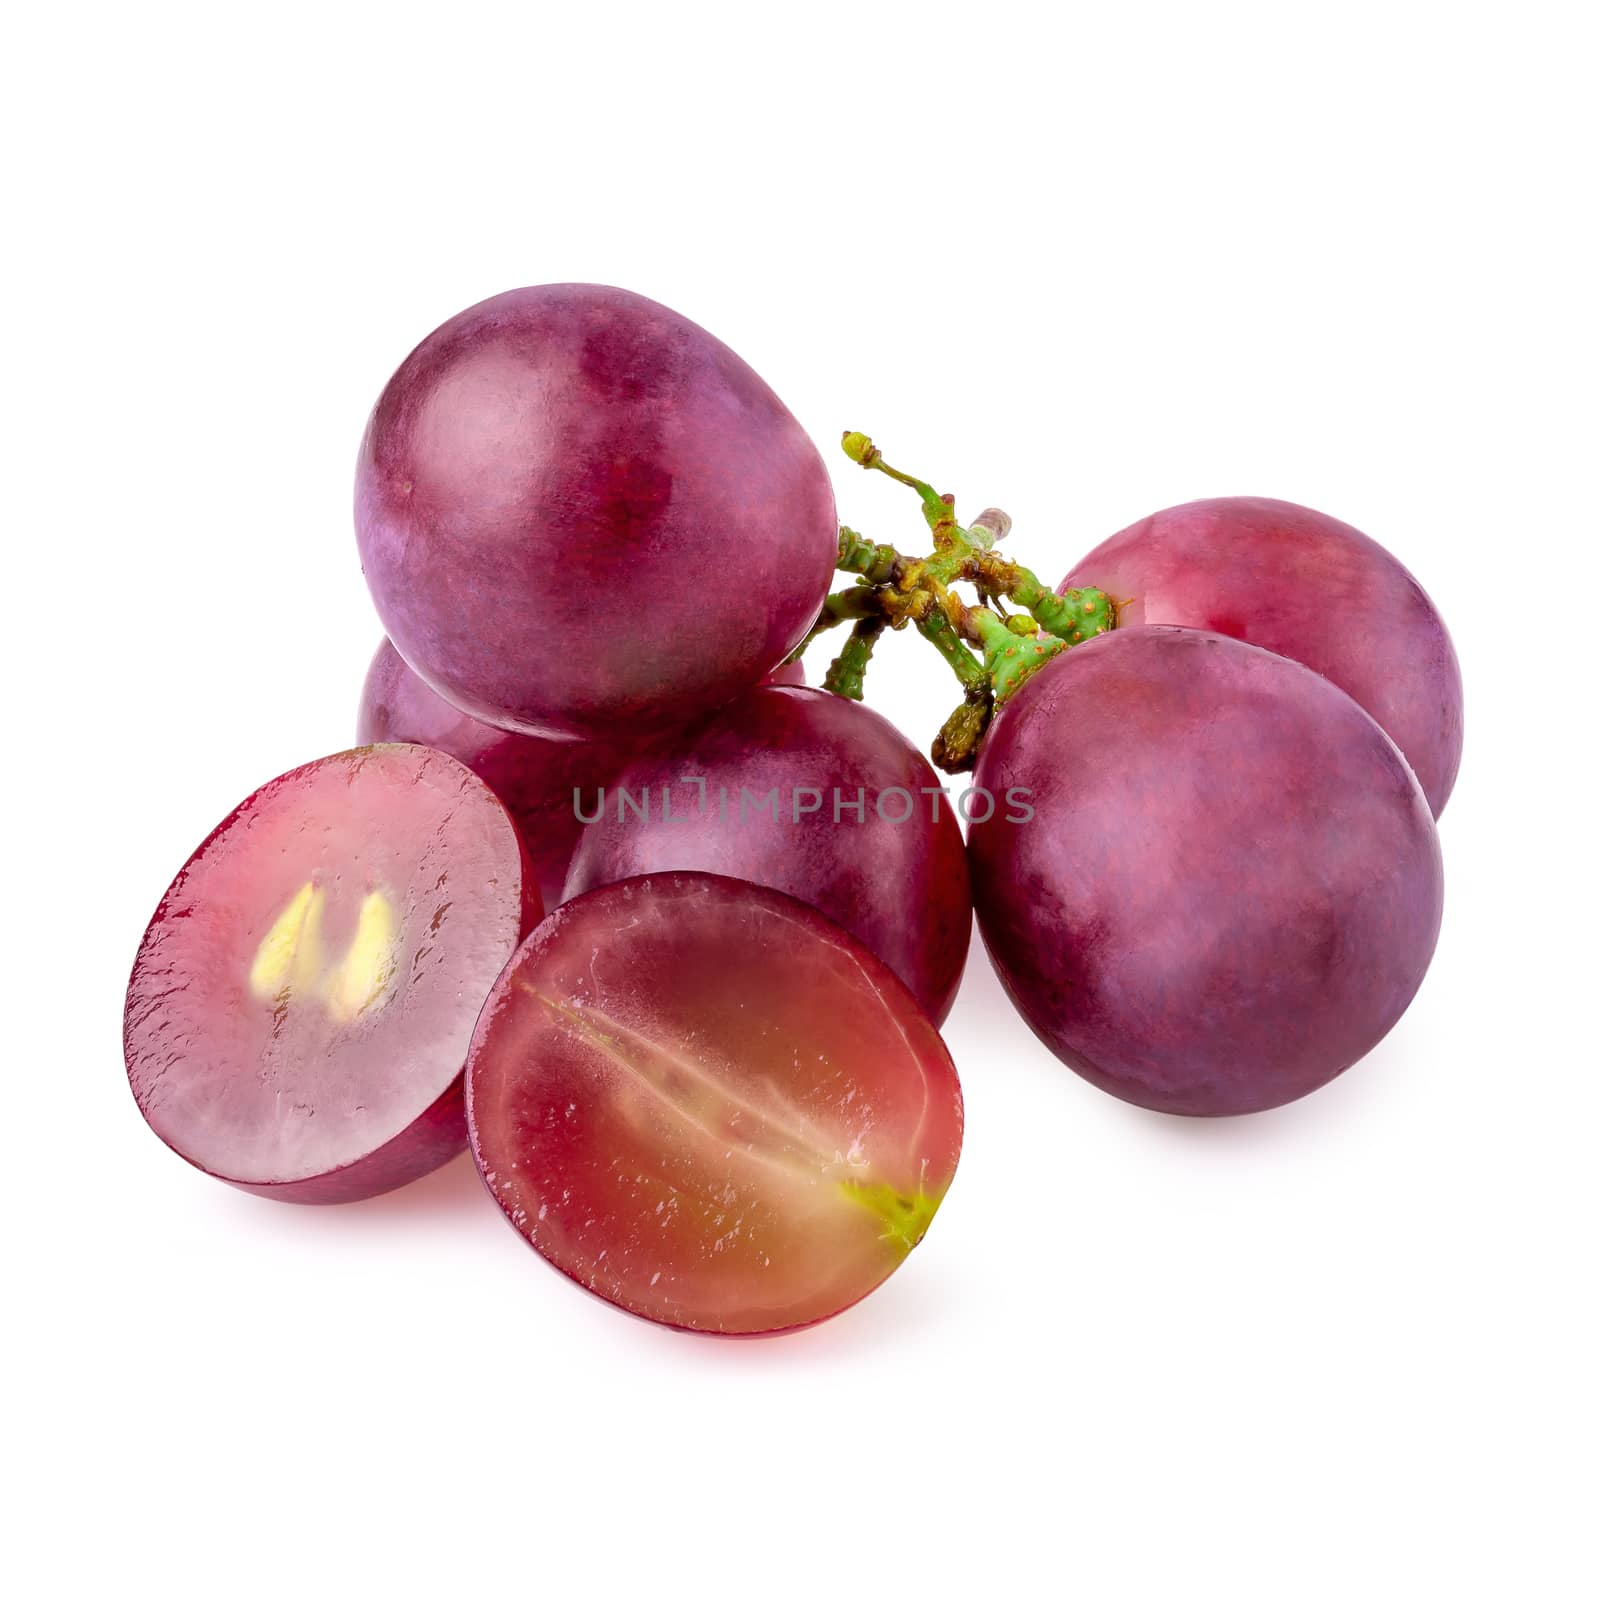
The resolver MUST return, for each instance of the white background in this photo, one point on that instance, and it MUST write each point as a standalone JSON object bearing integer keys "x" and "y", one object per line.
{"x": 1081, "y": 262}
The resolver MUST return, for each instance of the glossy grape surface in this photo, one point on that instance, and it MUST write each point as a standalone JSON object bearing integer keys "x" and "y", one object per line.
{"x": 792, "y": 673}
{"x": 895, "y": 875}
{"x": 579, "y": 514}
{"x": 1309, "y": 587}
{"x": 534, "y": 777}
{"x": 301, "y": 1004}
{"x": 1230, "y": 888}
{"x": 543, "y": 782}
{"x": 708, "y": 1104}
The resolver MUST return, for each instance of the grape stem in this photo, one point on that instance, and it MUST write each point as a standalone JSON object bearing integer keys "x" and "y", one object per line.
{"x": 991, "y": 653}
{"x": 849, "y": 667}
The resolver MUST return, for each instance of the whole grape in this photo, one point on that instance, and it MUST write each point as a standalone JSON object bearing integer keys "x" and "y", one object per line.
{"x": 1307, "y": 586}
{"x": 544, "y": 783}
{"x": 813, "y": 795}
{"x": 1230, "y": 886}
{"x": 535, "y": 778}
{"x": 580, "y": 515}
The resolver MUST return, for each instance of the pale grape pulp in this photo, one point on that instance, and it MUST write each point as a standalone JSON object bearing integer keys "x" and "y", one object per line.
{"x": 301, "y": 1004}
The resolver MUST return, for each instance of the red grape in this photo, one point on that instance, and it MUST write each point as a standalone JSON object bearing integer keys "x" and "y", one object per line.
{"x": 1306, "y": 586}
{"x": 792, "y": 673}
{"x": 1230, "y": 886}
{"x": 581, "y": 515}
{"x": 543, "y": 782}
{"x": 708, "y": 1104}
{"x": 536, "y": 778}
{"x": 300, "y": 1008}
{"x": 851, "y": 827}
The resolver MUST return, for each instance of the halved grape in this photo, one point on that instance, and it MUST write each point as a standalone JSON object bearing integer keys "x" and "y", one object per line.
{"x": 1224, "y": 886}
{"x": 581, "y": 515}
{"x": 811, "y": 794}
{"x": 301, "y": 1004}
{"x": 708, "y": 1104}
{"x": 1309, "y": 587}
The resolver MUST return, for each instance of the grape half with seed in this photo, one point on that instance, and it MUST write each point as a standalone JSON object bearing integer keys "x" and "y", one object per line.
{"x": 302, "y": 1000}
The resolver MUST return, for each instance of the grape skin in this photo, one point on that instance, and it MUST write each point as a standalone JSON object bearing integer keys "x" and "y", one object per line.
{"x": 1231, "y": 886}
{"x": 580, "y": 515}
{"x": 1307, "y": 586}
{"x": 542, "y": 782}
{"x": 898, "y": 887}
{"x": 534, "y": 778}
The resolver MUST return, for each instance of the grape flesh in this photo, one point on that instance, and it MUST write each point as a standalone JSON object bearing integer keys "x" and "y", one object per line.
{"x": 582, "y": 516}
{"x": 1230, "y": 887}
{"x": 813, "y": 795}
{"x": 1306, "y": 586}
{"x": 708, "y": 1104}
{"x": 301, "y": 1004}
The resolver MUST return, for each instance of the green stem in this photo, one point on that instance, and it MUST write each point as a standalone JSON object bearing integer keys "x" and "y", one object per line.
{"x": 844, "y": 606}
{"x": 850, "y": 605}
{"x": 874, "y": 562}
{"x": 941, "y": 633}
{"x": 844, "y": 676}
{"x": 865, "y": 453}
{"x": 1010, "y": 658}
{"x": 894, "y": 589}
{"x": 1072, "y": 617}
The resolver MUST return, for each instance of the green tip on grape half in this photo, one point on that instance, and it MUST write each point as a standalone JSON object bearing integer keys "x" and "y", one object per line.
{"x": 905, "y": 1217}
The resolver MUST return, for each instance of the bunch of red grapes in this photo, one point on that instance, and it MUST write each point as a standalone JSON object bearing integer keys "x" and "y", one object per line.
{"x": 606, "y": 892}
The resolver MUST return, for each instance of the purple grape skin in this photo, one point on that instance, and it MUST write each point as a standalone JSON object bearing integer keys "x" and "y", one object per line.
{"x": 792, "y": 672}
{"x": 580, "y": 515}
{"x": 1231, "y": 886}
{"x": 1306, "y": 586}
{"x": 534, "y": 778}
{"x": 900, "y": 888}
